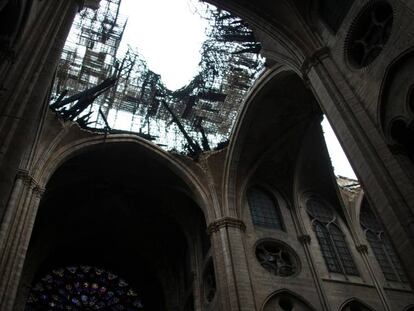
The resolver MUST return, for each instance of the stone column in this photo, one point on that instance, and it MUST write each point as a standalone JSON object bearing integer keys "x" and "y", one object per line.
{"x": 230, "y": 263}
{"x": 387, "y": 186}
{"x": 25, "y": 87}
{"x": 25, "y": 82}
{"x": 15, "y": 232}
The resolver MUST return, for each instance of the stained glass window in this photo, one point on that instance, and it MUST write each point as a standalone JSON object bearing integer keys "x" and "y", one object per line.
{"x": 327, "y": 248}
{"x": 343, "y": 250}
{"x": 264, "y": 209}
{"x": 79, "y": 288}
{"x": 331, "y": 240}
{"x": 381, "y": 246}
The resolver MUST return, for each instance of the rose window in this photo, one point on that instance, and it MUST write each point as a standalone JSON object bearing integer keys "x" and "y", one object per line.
{"x": 82, "y": 288}
{"x": 276, "y": 258}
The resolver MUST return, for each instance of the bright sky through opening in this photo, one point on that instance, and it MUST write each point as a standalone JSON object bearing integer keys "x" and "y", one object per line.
{"x": 169, "y": 34}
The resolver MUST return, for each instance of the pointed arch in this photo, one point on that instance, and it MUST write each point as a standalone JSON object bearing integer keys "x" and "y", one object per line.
{"x": 286, "y": 300}
{"x": 333, "y": 245}
{"x": 263, "y": 117}
{"x": 381, "y": 246}
{"x": 354, "y": 304}
{"x": 62, "y": 150}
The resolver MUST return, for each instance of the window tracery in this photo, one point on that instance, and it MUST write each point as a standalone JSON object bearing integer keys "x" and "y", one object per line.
{"x": 331, "y": 240}
{"x": 264, "y": 209}
{"x": 381, "y": 245}
{"x": 82, "y": 288}
{"x": 370, "y": 33}
{"x": 276, "y": 258}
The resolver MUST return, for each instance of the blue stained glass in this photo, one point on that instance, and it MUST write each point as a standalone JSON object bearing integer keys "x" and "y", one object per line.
{"x": 82, "y": 288}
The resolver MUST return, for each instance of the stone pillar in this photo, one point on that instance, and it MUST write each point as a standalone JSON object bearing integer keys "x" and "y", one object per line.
{"x": 232, "y": 274}
{"x": 25, "y": 85}
{"x": 387, "y": 186}
{"x": 15, "y": 233}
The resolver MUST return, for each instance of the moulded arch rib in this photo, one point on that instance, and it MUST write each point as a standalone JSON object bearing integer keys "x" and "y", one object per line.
{"x": 48, "y": 164}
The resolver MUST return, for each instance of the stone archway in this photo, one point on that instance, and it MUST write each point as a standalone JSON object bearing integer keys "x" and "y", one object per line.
{"x": 63, "y": 150}
{"x": 286, "y": 301}
{"x": 117, "y": 206}
{"x": 355, "y": 305}
{"x": 68, "y": 145}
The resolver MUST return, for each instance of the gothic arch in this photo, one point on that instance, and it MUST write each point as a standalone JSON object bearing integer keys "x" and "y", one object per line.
{"x": 286, "y": 300}
{"x": 354, "y": 304}
{"x": 262, "y": 118}
{"x": 182, "y": 191}
{"x": 62, "y": 152}
{"x": 381, "y": 247}
{"x": 332, "y": 236}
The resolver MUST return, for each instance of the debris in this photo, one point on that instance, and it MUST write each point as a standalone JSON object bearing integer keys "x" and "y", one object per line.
{"x": 100, "y": 88}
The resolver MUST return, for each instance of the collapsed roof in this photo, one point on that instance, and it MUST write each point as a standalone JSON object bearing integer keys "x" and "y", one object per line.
{"x": 105, "y": 91}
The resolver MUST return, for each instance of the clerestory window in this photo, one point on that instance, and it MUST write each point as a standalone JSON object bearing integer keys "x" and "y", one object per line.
{"x": 381, "y": 245}
{"x": 331, "y": 240}
{"x": 264, "y": 209}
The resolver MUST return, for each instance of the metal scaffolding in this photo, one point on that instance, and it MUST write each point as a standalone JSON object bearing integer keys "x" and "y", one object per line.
{"x": 104, "y": 91}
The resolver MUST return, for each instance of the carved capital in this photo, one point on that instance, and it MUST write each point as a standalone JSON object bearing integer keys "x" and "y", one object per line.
{"x": 226, "y": 222}
{"x": 314, "y": 59}
{"x": 38, "y": 191}
{"x": 362, "y": 248}
{"x": 304, "y": 238}
{"x": 25, "y": 177}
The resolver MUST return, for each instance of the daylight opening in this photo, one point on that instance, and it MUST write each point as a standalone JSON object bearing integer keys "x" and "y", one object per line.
{"x": 105, "y": 84}
{"x": 340, "y": 162}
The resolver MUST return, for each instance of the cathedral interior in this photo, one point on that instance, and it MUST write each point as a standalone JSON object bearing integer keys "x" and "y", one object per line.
{"x": 220, "y": 195}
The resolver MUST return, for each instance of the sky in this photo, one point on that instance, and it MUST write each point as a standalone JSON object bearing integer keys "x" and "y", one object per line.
{"x": 169, "y": 34}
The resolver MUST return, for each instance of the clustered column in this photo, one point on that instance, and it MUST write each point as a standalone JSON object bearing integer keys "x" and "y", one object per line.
{"x": 233, "y": 280}
{"x": 15, "y": 232}
{"x": 25, "y": 78}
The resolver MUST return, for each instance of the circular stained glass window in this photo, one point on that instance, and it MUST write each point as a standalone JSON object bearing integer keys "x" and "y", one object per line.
{"x": 276, "y": 258}
{"x": 82, "y": 288}
{"x": 369, "y": 34}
